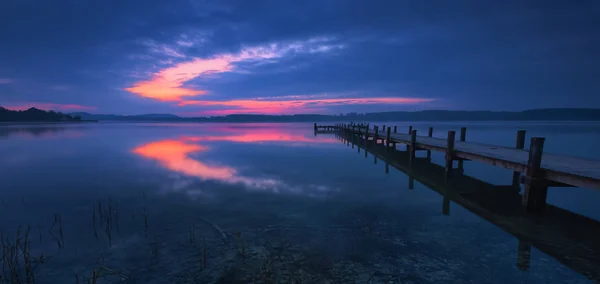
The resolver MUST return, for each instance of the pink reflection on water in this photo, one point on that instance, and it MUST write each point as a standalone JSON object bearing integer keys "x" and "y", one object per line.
{"x": 176, "y": 156}
{"x": 257, "y": 133}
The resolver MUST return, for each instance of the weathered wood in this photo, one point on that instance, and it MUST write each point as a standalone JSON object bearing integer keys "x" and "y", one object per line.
{"x": 429, "y": 134}
{"x": 383, "y": 128}
{"x": 376, "y": 134}
{"x": 449, "y": 153}
{"x": 519, "y": 145}
{"x": 446, "y": 205}
{"x": 395, "y": 128}
{"x": 387, "y": 139}
{"x": 413, "y": 146}
{"x": 524, "y": 255}
{"x": 535, "y": 190}
{"x": 561, "y": 170}
{"x": 463, "y": 136}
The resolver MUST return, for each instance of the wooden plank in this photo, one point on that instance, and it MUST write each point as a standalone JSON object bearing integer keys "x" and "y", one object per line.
{"x": 573, "y": 171}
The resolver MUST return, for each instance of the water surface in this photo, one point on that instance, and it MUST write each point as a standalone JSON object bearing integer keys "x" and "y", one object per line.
{"x": 259, "y": 203}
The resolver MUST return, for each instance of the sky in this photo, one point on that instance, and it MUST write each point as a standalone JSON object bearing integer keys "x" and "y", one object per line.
{"x": 209, "y": 58}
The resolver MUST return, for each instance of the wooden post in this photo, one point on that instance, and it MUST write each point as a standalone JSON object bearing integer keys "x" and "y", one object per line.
{"x": 516, "y": 180}
{"x": 446, "y": 204}
{"x": 315, "y": 127}
{"x": 376, "y": 134}
{"x": 410, "y": 129}
{"x": 387, "y": 166}
{"x": 375, "y": 159}
{"x": 413, "y": 147}
{"x": 395, "y": 128}
{"x": 535, "y": 190}
{"x": 449, "y": 153}
{"x": 388, "y": 138}
{"x": 411, "y": 182}
{"x": 429, "y": 134}
{"x": 524, "y": 255}
{"x": 383, "y": 128}
{"x": 463, "y": 136}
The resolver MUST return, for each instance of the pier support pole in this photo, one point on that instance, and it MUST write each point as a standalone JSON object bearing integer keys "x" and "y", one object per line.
{"x": 411, "y": 182}
{"x": 524, "y": 255}
{"x": 376, "y": 134}
{"x": 413, "y": 147}
{"x": 516, "y": 180}
{"x": 315, "y": 129}
{"x": 429, "y": 134}
{"x": 387, "y": 140}
{"x": 446, "y": 203}
{"x": 463, "y": 136}
{"x": 449, "y": 153}
{"x": 536, "y": 189}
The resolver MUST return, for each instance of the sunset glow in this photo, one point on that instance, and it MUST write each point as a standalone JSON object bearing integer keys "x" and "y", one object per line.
{"x": 293, "y": 106}
{"x": 49, "y": 106}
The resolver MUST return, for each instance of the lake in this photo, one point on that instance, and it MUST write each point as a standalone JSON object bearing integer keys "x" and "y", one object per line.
{"x": 259, "y": 203}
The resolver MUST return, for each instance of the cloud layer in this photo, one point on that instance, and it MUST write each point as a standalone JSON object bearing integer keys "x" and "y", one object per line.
{"x": 230, "y": 54}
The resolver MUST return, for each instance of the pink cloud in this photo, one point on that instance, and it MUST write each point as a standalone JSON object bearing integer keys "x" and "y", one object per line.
{"x": 291, "y": 106}
{"x": 5, "y": 81}
{"x": 50, "y": 106}
{"x": 168, "y": 84}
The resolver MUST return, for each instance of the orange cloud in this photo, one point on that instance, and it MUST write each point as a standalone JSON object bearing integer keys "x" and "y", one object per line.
{"x": 168, "y": 84}
{"x": 50, "y": 106}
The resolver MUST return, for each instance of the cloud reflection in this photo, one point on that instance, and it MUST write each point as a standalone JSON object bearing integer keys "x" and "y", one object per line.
{"x": 177, "y": 155}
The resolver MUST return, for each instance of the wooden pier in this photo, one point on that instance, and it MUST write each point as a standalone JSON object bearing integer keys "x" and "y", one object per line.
{"x": 535, "y": 173}
{"x": 568, "y": 237}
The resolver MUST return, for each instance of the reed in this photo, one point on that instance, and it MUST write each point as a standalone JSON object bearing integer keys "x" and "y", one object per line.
{"x": 60, "y": 239}
{"x": 18, "y": 265}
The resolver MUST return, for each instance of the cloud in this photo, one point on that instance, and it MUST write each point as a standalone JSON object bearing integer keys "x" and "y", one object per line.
{"x": 49, "y": 106}
{"x": 293, "y": 104}
{"x": 5, "y": 81}
{"x": 60, "y": 88}
{"x": 168, "y": 83}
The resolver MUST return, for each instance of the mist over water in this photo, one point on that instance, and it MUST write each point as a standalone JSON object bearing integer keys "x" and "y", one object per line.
{"x": 262, "y": 203}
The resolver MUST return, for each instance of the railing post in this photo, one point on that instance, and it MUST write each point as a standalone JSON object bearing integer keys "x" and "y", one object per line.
{"x": 536, "y": 189}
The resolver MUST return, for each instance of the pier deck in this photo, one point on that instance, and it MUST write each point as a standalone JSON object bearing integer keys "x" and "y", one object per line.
{"x": 536, "y": 171}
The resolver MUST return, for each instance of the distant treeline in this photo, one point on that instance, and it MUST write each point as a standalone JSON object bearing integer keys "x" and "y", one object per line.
{"x": 427, "y": 115}
{"x": 34, "y": 114}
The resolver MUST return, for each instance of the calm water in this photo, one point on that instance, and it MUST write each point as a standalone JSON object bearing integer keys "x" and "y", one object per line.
{"x": 259, "y": 203}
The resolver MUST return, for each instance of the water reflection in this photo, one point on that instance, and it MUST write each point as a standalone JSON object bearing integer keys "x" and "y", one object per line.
{"x": 39, "y": 132}
{"x": 251, "y": 133}
{"x": 568, "y": 237}
{"x": 178, "y": 156}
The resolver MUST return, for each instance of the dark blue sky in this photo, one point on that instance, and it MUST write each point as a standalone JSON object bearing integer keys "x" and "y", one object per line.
{"x": 313, "y": 56}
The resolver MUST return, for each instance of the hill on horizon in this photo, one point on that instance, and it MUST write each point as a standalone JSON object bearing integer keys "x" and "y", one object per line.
{"x": 556, "y": 114}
